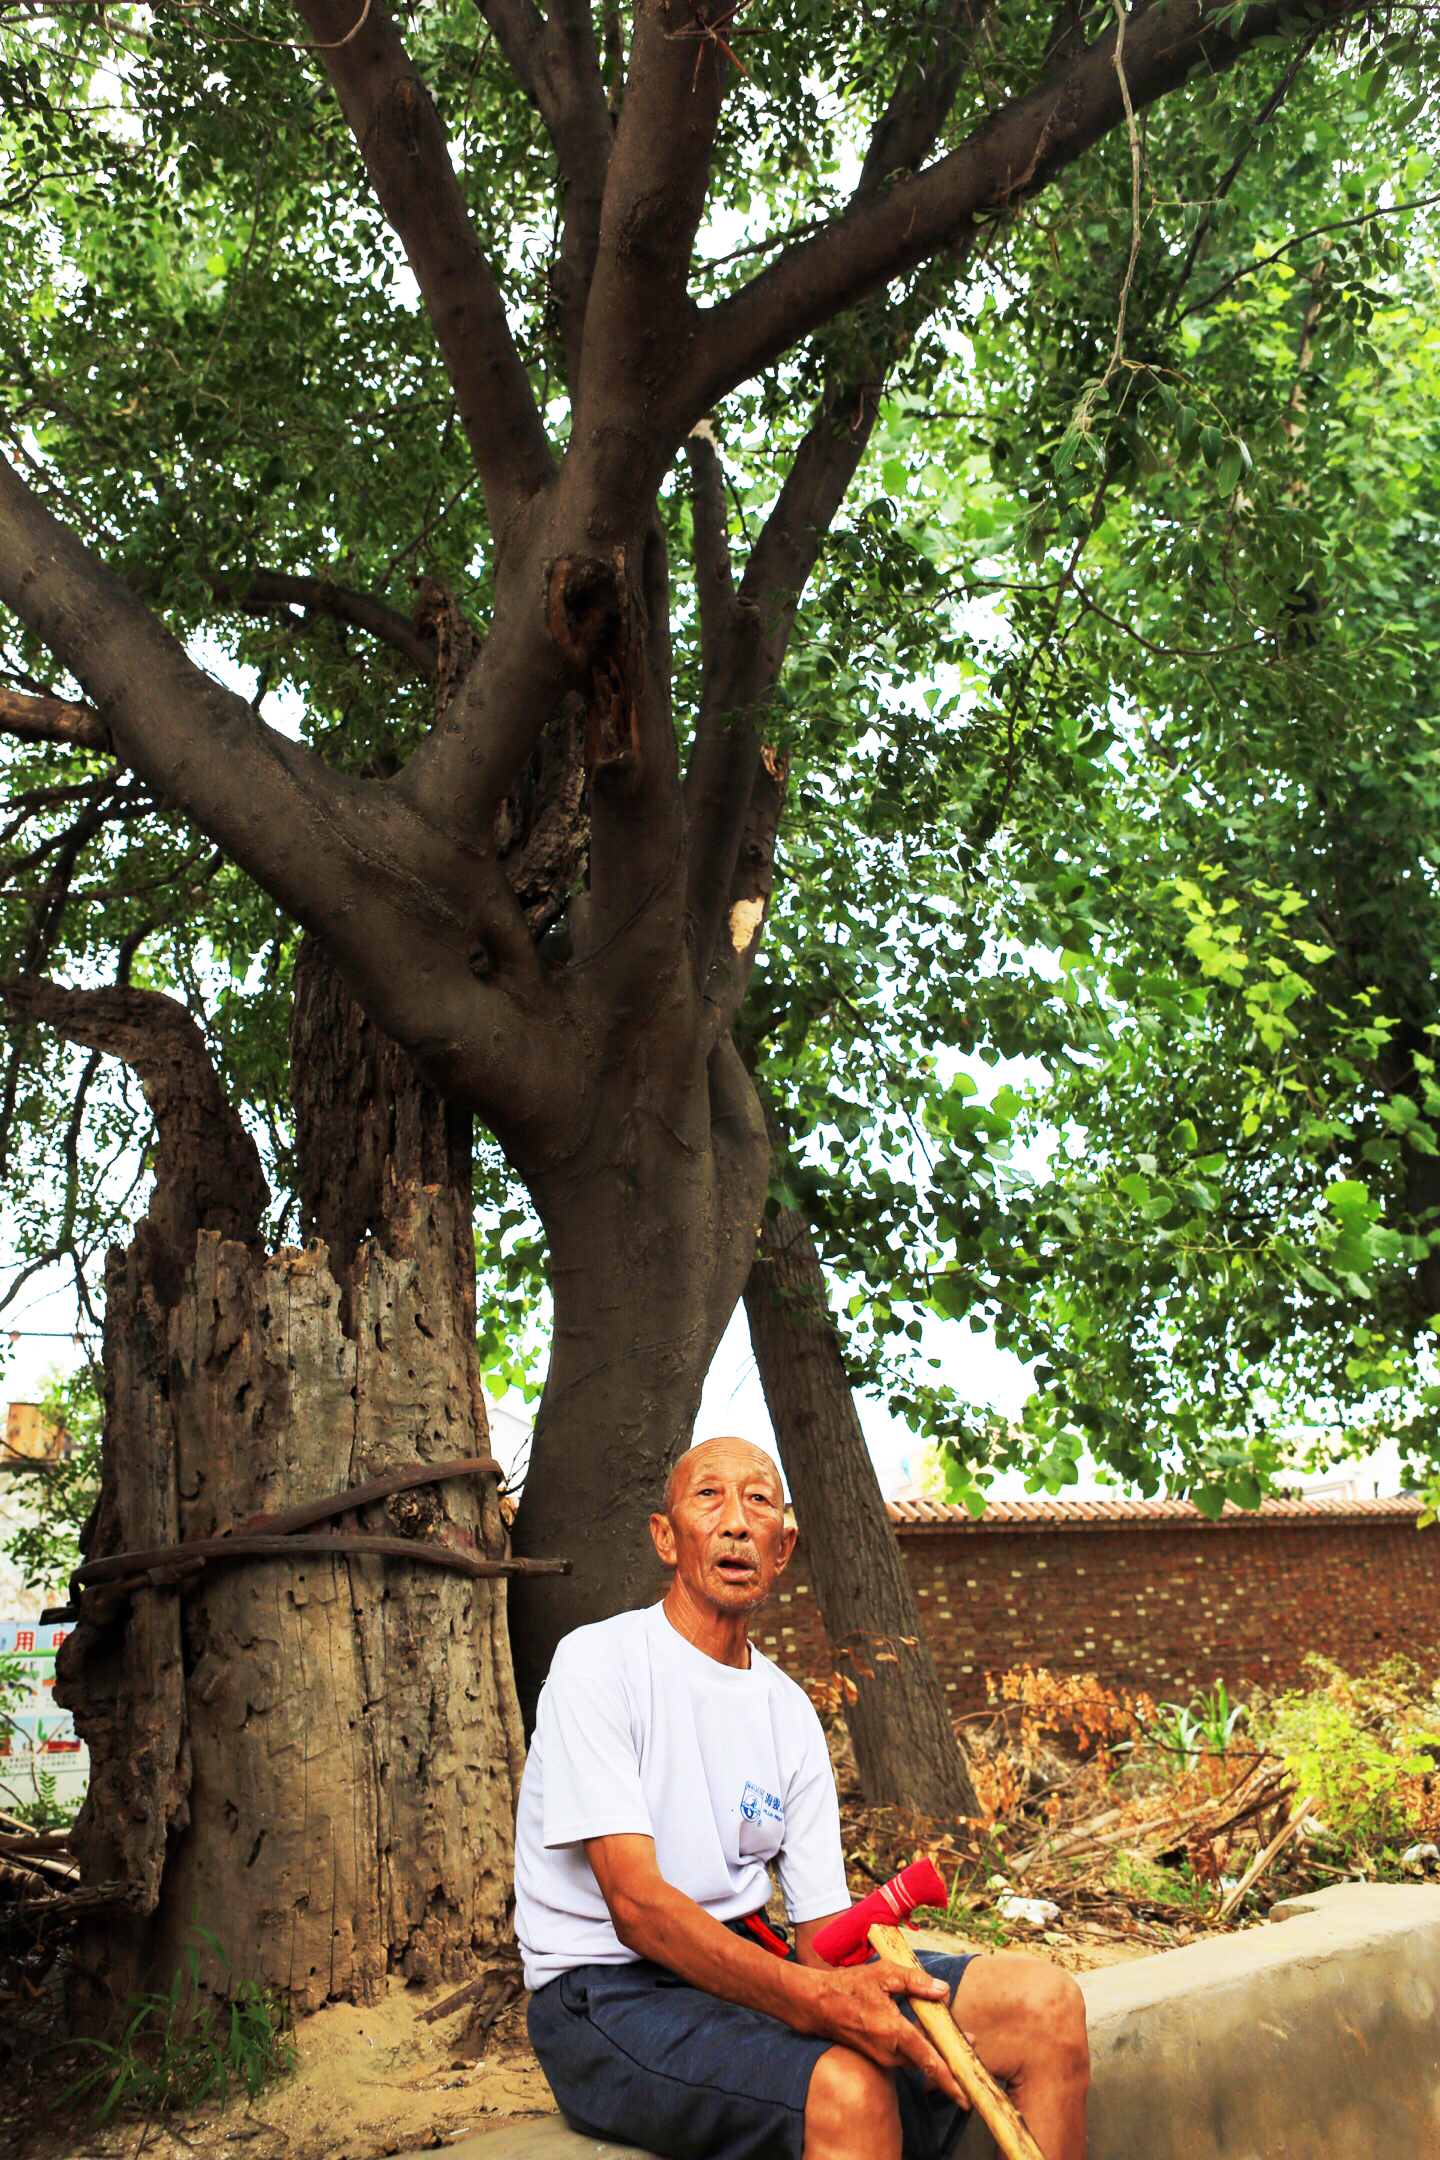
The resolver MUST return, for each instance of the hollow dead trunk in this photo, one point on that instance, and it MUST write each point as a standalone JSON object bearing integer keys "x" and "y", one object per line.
{"x": 314, "y": 1759}
{"x": 905, "y": 1746}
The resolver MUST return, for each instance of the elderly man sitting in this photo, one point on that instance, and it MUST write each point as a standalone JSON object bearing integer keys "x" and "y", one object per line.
{"x": 672, "y": 1763}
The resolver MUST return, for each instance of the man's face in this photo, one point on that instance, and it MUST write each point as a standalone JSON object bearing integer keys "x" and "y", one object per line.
{"x": 725, "y": 1532}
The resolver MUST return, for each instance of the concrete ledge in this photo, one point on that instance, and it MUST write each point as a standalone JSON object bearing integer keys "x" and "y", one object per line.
{"x": 1315, "y": 2039}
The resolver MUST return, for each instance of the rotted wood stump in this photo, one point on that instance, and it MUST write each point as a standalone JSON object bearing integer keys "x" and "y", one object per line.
{"x": 313, "y": 1759}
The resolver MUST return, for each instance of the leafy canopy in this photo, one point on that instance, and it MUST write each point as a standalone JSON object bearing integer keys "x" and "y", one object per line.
{"x": 1074, "y": 554}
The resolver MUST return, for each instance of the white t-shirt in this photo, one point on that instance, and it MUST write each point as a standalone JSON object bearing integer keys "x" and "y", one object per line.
{"x": 639, "y": 1731}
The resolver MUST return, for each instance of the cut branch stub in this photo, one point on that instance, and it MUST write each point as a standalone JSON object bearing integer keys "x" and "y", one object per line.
{"x": 52, "y": 720}
{"x": 592, "y": 621}
{"x": 367, "y": 1130}
{"x": 264, "y": 1745}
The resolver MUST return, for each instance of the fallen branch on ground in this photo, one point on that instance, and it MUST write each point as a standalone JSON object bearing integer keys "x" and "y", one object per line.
{"x": 1259, "y": 1865}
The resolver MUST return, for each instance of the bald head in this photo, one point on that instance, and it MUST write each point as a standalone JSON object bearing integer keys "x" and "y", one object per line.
{"x": 725, "y": 1453}
{"x": 723, "y": 1531}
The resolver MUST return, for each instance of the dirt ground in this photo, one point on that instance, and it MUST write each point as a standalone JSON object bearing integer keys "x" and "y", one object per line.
{"x": 373, "y": 2082}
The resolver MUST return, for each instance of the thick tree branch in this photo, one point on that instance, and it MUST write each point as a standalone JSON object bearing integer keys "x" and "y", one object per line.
{"x": 267, "y": 592}
{"x": 555, "y": 60}
{"x": 1012, "y": 155}
{"x": 731, "y": 795}
{"x": 710, "y": 519}
{"x": 738, "y": 947}
{"x": 640, "y": 311}
{"x": 725, "y": 820}
{"x": 402, "y": 908}
{"x": 749, "y": 635}
{"x": 918, "y": 107}
{"x": 53, "y": 720}
{"x": 402, "y": 141}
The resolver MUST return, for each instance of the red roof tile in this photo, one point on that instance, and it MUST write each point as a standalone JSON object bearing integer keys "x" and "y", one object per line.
{"x": 1120, "y": 1514}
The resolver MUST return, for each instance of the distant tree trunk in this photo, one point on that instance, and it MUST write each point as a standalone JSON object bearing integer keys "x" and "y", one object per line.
{"x": 905, "y": 1745}
{"x": 314, "y": 1759}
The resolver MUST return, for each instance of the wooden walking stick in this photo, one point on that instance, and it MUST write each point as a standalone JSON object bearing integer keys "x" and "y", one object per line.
{"x": 990, "y": 2100}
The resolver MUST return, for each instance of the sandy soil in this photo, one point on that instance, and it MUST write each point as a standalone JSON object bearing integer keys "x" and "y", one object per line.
{"x": 374, "y": 2082}
{"x": 367, "y": 2082}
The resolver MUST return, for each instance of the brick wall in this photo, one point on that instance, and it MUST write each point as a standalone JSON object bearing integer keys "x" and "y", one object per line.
{"x": 1148, "y": 1594}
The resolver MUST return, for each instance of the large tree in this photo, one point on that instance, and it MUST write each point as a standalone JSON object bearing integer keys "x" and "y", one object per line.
{"x": 284, "y": 301}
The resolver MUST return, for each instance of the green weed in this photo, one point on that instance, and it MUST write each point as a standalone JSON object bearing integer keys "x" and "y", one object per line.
{"x": 178, "y": 2051}
{"x": 985, "y": 1927}
{"x": 1205, "y": 1725}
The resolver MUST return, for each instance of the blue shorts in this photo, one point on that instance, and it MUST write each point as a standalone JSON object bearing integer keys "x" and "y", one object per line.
{"x": 636, "y": 2056}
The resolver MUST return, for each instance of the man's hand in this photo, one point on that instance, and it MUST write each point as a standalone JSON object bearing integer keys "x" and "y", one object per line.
{"x": 853, "y": 2006}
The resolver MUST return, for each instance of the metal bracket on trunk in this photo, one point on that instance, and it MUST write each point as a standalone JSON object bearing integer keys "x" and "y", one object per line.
{"x": 273, "y": 1536}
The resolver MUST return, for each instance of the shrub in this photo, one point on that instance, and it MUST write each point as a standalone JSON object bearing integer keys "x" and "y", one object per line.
{"x": 1362, "y": 1746}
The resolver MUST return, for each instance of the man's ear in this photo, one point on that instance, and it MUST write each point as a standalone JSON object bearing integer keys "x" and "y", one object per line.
{"x": 786, "y": 1547}
{"x": 663, "y": 1538}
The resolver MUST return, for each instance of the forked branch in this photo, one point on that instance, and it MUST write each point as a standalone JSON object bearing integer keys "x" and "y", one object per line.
{"x": 1009, "y": 157}
{"x": 347, "y": 858}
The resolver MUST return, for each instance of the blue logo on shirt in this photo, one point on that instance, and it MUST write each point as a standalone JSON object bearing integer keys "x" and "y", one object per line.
{"x": 757, "y": 1805}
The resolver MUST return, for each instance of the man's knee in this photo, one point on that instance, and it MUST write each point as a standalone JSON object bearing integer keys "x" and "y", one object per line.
{"x": 1051, "y": 2012}
{"x": 1031, "y": 2016}
{"x": 851, "y": 2108}
{"x": 1059, "y": 2014}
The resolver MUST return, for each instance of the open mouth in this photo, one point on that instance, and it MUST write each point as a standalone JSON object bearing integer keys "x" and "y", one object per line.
{"x": 736, "y": 1570}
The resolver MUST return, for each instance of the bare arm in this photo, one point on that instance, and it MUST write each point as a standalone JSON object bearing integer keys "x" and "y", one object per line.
{"x": 854, "y": 2007}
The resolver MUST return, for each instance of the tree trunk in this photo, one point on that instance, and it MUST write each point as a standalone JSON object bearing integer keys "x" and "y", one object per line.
{"x": 315, "y": 1760}
{"x": 651, "y": 1228}
{"x": 905, "y": 1745}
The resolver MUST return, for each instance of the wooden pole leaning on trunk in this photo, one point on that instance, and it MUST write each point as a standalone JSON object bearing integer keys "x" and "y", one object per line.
{"x": 989, "y": 2099}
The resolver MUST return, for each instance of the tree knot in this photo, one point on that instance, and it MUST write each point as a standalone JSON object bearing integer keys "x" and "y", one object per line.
{"x": 416, "y": 1513}
{"x": 590, "y": 618}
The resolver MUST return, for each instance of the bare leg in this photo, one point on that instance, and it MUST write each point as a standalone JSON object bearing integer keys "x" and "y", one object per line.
{"x": 1027, "y": 2022}
{"x": 851, "y": 2112}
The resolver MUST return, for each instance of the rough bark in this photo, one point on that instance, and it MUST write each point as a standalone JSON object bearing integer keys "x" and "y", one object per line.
{"x": 316, "y": 1760}
{"x": 905, "y": 1745}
